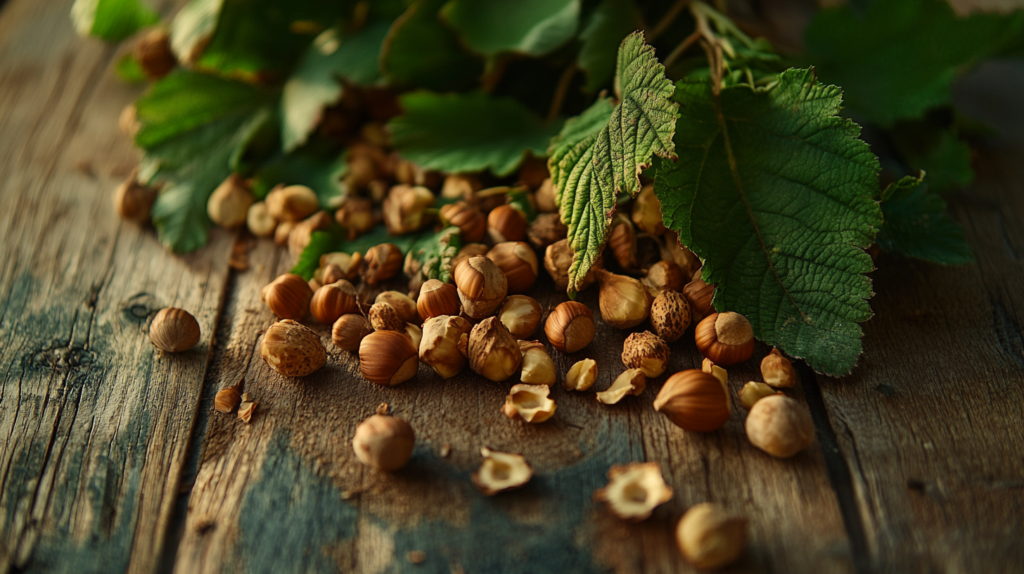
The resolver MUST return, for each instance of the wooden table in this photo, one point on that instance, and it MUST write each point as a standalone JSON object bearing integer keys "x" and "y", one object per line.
{"x": 112, "y": 458}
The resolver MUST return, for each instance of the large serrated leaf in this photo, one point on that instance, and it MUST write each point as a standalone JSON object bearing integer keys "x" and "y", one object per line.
{"x": 779, "y": 196}
{"x": 421, "y": 51}
{"x": 917, "y": 225}
{"x": 533, "y": 27}
{"x": 589, "y": 172}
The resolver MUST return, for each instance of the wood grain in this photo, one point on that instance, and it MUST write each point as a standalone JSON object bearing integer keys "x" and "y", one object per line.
{"x": 93, "y": 421}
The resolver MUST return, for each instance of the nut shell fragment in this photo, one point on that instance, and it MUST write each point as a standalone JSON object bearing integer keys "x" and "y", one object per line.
{"x": 634, "y": 490}
{"x": 440, "y": 344}
{"x": 521, "y": 315}
{"x": 501, "y": 471}
{"x": 778, "y": 371}
{"x": 529, "y": 403}
{"x": 630, "y": 382}
{"x": 538, "y": 368}
{"x": 581, "y": 376}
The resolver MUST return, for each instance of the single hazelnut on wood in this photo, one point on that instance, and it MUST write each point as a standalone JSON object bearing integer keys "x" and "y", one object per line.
{"x": 506, "y": 223}
{"x": 630, "y": 382}
{"x": 624, "y": 301}
{"x": 780, "y": 426}
{"x": 492, "y": 351}
{"x": 570, "y": 327}
{"x": 437, "y": 299}
{"x": 227, "y": 399}
{"x": 698, "y": 294}
{"x": 291, "y": 349}
{"x": 405, "y": 208}
{"x": 471, "y": 223}
{"x": 622, "y": 242}
{"x": 778, "y": 371}
{"x": 634, "y": 490}
{"x": 647, "y": 211}
{"x": 694, "y": 400}
{"x": 725, "y": 338}
{"x": 388, "y": 357}
{"x": 558, "y": 259}
{"x": 647, "y": 352}
{"x": 292, "y": 203}
{"x": 520, "y": 314}
{"x": 753, "y": 392}
{"x": 670, "y": 315}
{"x": 538, "y": 368}
{"x": 349, "y": 330}
{"x": 384, "y": 442}
{"x": 481, "y": 286}
{"x": 444, "y": 340}
{"x": 133, "y": 201}
{"x": 501, "y": 471}
{"x": 711, "y": 368}
{"x": 384, "y": 317}
{"x": 228, "y": 205}
{"x": 288, "y": 296}
{"x": 382, "y": 262}
{"x": 581, "y": 376}
{"x": 545, "y": 197}
{"x": 518, "y": 262}
{"x": 153, "y": 53}
{"x": 529, "y": 403}
{"x": 709, "y": 538}
{"x": 331, "y": 301}
{"x": 402, "y": 303}
{"x": 664, "y": 275}
{"x": 174, "y": 330}
{"x": 546, "y": 229}
{"x": 259, "y": 221}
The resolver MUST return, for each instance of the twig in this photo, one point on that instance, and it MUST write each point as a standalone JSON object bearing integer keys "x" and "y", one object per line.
{"x": 667, "y": 19}
{"x": 682, "y": 47}
{"x": 560, "y": 92}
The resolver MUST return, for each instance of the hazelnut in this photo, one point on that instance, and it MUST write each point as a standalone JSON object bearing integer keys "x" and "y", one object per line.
{"x": 227, "y": 399}
{"x": 624, "y": 301}
{"x": 314, "y": 285}
{"x": 501, "y": 471}
{"x": 630, "y": 382}
{"x": 698, "y": 294}
{"x": 291, "y": 349}
{"x": 694, "y": 400}
{"x": 361, "y": 171}
{"x": 634, "y": 490}
{"x": 302, "y": 231}
{"x": 670, "y": 315}
{"x": 481, "y": 286}
{"x": 506, "y": 223}
{"x": 725, "y": 338}
{"x": 438, "y": 298}
{"x": 777, "y": 370}
{"x": 492, "y": 351}
{"x": 780, "y": 426}
{"x": 533, "y": 172}
{"x": 444, "y": 340}
{"x": 647, "y": 211}
{"x": 228, "y": 205}
{"x": 383, "y": 442}
{"x": 174, "y": 330}
{"x": 388, "y": 357}
{"x": 664, "y": 275}
{"x": 529, "y": 403}
{"x": 622, "y": 242}
{"x": 259, "y": 221}
{"x": 558, "y": 259}
{"x": 414, "y": 333}
{"x": 545, "y": 197}
{"x": 712, "y": 369}
{"x": 293, "y": 203}
{"x": 518, "y": 262}
{"x": 341, "y": 266}
{"x": 547, "y": 228}
{"x": 647, "y": 352}
{"x": 402, "y": 303}
{"x": 520, "y": 314}
{"x": 283, "y": 231}
{"x": 153, "y": 53}
{"x": 288, "y": 296}
{"x": 329, "y": 274}
{"x": 133, "y": 201}
{"x": 458, "y": 186}
{"x": 469, "y": 250}
{"x": 349, "y": 330}
{"x": 753, "y": 392}
{"x": 405, "y": 208}
{"x": 356, "y": 216}
{"x": 581, "y": 376}
{"x": 681, "y": 256}
{"x": 384, "y": 317}
{"x": 382, "y": 263}
{"x": 538, "y": 368}
{"x": 332, "y": 301}
{"x": 570, "y": 327}
{"x": 471, "y": 223}
{"x": 709, "y": 538}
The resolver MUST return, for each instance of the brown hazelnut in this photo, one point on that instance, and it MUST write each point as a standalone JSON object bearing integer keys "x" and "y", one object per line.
{"x": 341, "y": 266}
{"x": 414, "y": 333}
{"x": 153, "y": 53}
{"x": 622, "y": 242}
{"x": 332, "y": 301}
{"x": 581, "y": 376}
{"x": 624, "y": 301}
{"x": 558, "y": 259}
{"x": 533, "y": 172}
{"x": 459, "y": 186}
{"x": 174, "y": 330}
{"x": 647, "y": 211}
{"x": 529, "y": 403}
{"x": 630, "y": 382}
{"x": 501, "y": 471}
{"x": 445, "y": 339}
{"x": 381, "y": 263}
{"x": 709, "y": 367}
{"x": 520, "y": 314}
{"x": 469, "y": 250}
{"x": 292, "y": 203}
{"x": 665, "y": 275}
{"x": 670, "y": 315}
{"x": 471, "y": 223}
{"x": 698, "y": 294}
{"x": 481, "y": 286}
{"x": 356, "y": 216}
{"x": 361, "y": 171}
{"x": 547, "y": 228}
{"x": 538, "y": 368}
{"x": 725, "y": 338}
{"x": 647, "y": 352}
{"x": 388, "y": 357}
{"x": 228, "y": 205}
{"x": 492, "y": 351}
{"x": 291, "y": 349}
{"x": 777, "y": 370}
{"x": 402, "y": 303}
{"x": 518, "y": 262}
{"x": 302, "y": 231}
{"x": 570, "y": 327}
{"x": 545, "y": 197}
{"x": 133, "y": 201}
{"x": 709, "y": 538}
{"x": 259, "y": 221}
{"x": 780, "y": 426}
{"x": 694, "y": 400}
{"x": 405, "y": 208}
{"x": 384, "y": 317}
{"x": 349, "y": 330}
{"x": 384, "y": 442}
{"x": 634, "y": 490}
{"x": 437, "y": 298}
{"x": 288, "y": 296}
{"x": 506, "y": 223}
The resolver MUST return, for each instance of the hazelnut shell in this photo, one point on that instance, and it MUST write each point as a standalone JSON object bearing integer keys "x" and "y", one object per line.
{"x": 437, "y": 299}
{"x": 694, "y": 400}
{"x": 174, "y": 330}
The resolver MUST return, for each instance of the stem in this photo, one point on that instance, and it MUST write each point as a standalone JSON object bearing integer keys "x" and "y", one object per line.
{"x": 667, "y": 19}
{"x": 682, "y": 47}
{"x": 560, "y": 92}
{"x": 712, "y": 46}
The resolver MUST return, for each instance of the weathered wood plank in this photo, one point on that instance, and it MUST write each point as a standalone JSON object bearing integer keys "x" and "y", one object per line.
{"x": 93, "y": 423}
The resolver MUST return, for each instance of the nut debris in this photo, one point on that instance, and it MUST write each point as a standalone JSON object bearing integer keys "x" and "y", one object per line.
{"x": 647, "y": 352}
{"x": 529, "y": 403}
{"x": 634, "y": 490}
{"x": 581, "y": 376}
{"x": 753, "y": 392}
{"x": 245, "y": 411}
{"x": 227, "y": 399}
{"x": 415, "y": 557}
{"x": 630, "y": 382}
{"x": 709, "y": 538}
{"x": 778, "y": 371}
{"x": 538, "y": 368}
{"x": 501, "y": 471}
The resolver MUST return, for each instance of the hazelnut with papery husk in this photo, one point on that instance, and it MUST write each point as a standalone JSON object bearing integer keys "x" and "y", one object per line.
{"x": 384, "y": 317}
{"x": 647, "y": 211}
{"x": 558, "y": 259}
{"x": 133, "y": 201}
{"x": 777, "y": 370}
{"x": 492, "y": 351}
{"x": 624, "y": 301}
{"x": 622, "y": 242}
{"x": 518, "y": 262}
{"x": 301, "y": 233}
{"x": 356, "y": 216}
{"x": 547, "y": 228}
{"x": 481, "y": 286}
{"x": 382, "y": 262}
{"x": 444, "y": 341}
{"x": 402, "y": 303}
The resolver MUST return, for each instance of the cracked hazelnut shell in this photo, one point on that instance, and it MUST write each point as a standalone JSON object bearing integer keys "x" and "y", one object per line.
{"x": 492, "y": 351}
{"x": 529, "y": 403}
{"x": 634, "y": 490}
{"x": 501, "y": 471}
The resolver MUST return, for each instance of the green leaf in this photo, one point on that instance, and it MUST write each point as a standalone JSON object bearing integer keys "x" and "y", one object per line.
{"x": 779, "y": 196}
{"x": 129, "y": 71}
{"x": 468, "y": 132}
{"x": 589, "y": 172}
{"x": 316, "y": 83}
{"x": 917, "y": 225}
{"x": 333, "y": 241}
{"x": 435, "y": 253}
{"x": 317, "y": 166}
{"x": 900, "y": 59}
{"x": 610, "y": 22}
{"x": 935, "y": 150}
{"x": 320, "y": 243}
{"x": 532, "y": 27}
{"x": 584, "y": 126}
{"x": 420, "y": 51}
{"x": 111, "y": 20}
